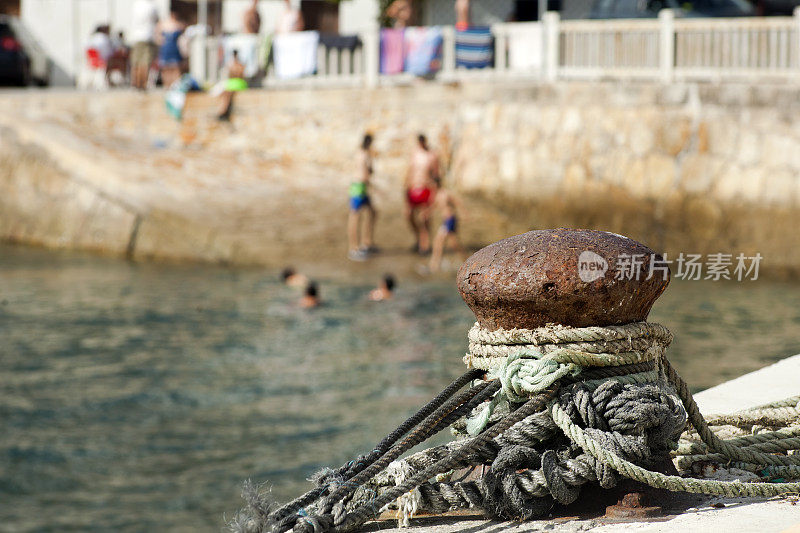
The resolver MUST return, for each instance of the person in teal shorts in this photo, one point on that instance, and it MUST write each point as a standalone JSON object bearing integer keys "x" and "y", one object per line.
{"x": 362, "y": 212}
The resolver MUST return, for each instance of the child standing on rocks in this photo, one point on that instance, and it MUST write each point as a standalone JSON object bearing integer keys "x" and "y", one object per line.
{"x": 360, "y": 203}
{"x": 447, "y": 204}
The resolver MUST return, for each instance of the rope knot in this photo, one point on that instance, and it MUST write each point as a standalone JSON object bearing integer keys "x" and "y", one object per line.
{"x": 525, "y": 373}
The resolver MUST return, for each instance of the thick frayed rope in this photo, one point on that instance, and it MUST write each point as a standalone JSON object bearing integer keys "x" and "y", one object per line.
{"x": 564, "y": 407}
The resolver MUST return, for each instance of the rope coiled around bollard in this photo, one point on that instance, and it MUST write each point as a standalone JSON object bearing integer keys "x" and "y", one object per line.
{"x": 563, "y": 407}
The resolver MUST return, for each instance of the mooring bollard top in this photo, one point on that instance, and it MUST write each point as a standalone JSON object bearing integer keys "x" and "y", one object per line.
{"x": 572, "y": 277}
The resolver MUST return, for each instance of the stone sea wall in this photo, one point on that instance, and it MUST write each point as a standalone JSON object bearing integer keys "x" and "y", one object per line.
{"x": 721, "y": 142}
{"x": 691, "y": 168}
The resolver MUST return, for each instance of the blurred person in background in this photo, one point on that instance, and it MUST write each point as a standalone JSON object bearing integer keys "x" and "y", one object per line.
{"x": 170, "y": 57}
{"x": 234, "y": 83}
{"x": 290, "y": 19}
{"x": 384, "y": 290}
{"x": 118, "y": 62}
{"x": 360, "y": 202}
{"x": 400, "y": 11}
{"x": 448, "y": 205}
{"x": 292, "y": 278}
{"x": 462, "y": 15}
{"x": 310, "y": 298}
{"x": 420, "y": 183}
{"x": 100, "y": 42}
{"x": 251, "y": 21}
{"x": 98, "y": 52}
{"x": 144, "y": 20}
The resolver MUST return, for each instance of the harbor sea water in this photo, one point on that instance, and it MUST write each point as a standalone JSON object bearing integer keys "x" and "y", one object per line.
{"x": 138, "y": 397}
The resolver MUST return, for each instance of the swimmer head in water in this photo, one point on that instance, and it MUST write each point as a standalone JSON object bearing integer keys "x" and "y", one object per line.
{"x": 311, "y": 296}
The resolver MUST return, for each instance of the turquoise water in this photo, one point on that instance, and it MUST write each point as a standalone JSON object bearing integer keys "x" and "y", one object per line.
{"x": 138, "y": 397}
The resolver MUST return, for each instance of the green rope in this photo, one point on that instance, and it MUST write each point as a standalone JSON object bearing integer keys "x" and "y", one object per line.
{"x": 662, "y": 481}
{"x": 714, "y": 443}
{"x": 779, "y": 435}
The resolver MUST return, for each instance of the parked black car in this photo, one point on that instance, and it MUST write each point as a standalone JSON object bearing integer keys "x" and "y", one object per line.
{"x": 22, "y": 62}
{"x": 633, "y": 9}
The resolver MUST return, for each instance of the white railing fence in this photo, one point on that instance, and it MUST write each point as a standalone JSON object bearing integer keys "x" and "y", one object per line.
{"x": 736, "y": 47}
{"x": 667, "y": 48}
{"x": 609, "y": 48}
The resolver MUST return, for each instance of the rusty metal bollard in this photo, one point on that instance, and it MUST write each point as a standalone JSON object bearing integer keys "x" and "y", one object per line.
{"x": 571, "y": 277}
{"x": 533, "y": 279}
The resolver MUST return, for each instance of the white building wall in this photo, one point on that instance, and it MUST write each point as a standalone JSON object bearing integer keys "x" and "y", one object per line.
{"x": 50, "y": 22}
{"x": 63, "y": 27}
{"x": 358, "y": 15}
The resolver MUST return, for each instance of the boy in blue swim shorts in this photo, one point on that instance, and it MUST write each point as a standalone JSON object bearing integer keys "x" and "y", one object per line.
{"x": 447, "y": 204}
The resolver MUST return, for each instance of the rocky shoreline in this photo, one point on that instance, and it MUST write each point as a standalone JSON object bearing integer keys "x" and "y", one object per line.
{"x": 696, "y": 171}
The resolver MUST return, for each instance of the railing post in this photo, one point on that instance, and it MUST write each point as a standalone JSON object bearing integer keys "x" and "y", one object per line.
{"x": 211, "y": 48}
{"x": 198, "y": 59}
{"x": 448, "y": 51}
{"x": 372, "y": 56}
{"x": 551, "y": 49}
{"x": 666, "y": 20}
{"x": 346, "y": 62}
{"x": 796, "y": 14}
{"x": 333, "y": 62}
{"x": 358, "y": 61}
{"x": 500, "y": 32}
{"x": 322, "y": 60}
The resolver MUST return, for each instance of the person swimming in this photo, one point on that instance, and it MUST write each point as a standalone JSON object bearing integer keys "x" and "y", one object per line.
{"x": 292, "y": 278}
{"x": 310, "y": 297}
{"x": 385, "y": 289}
{"x": 360, "y": 202}
{"x": 421, "y": 181}
{"x": 447, "y": 204}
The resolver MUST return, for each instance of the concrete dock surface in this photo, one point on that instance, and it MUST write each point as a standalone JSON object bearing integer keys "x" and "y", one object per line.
{"x": 701, "y": 514}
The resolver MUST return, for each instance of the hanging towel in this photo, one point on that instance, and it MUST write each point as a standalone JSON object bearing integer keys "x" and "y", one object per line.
{"x": 474, "y": 47}
{"x": 247, "y": 45}
{"x": 423, "y": 50}
{"x": 340, "y": 42}
{"x": 525, "y": 46}
{"x": 392, "y": 51}
{"x": 175, "y": 98}
{"x": 295, "y": 54}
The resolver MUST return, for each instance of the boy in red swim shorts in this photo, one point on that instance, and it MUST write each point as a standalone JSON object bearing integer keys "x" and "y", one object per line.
{"x": 420, "y": 183}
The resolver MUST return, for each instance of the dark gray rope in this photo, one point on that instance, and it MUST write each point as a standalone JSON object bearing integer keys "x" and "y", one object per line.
{"x": 533, "y": 465}
{"x": 365, "y": 512}
{"x": 348, "y": 470}
{"x": 442, "y": 417}
{"x": 526, "y": 480}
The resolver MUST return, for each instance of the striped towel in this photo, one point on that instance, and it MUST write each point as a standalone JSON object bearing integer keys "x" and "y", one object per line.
{"x": 423, "y": 47}
{"x": 474, "y": 47}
